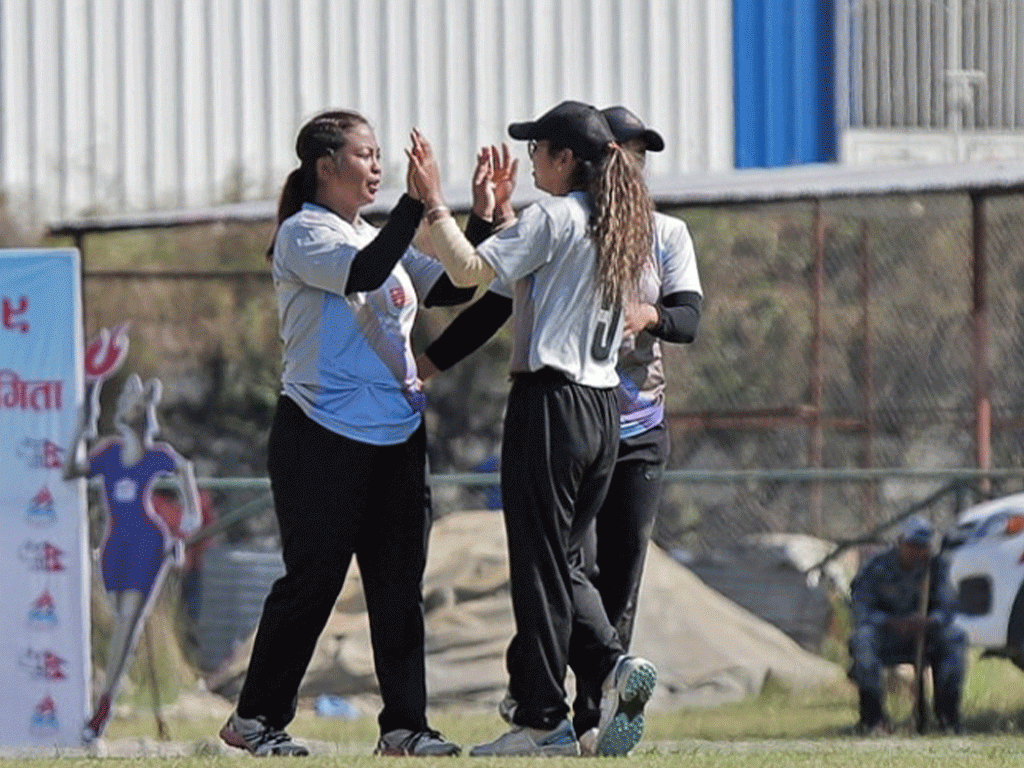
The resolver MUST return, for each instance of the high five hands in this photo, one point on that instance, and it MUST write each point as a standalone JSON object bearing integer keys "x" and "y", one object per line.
{"x": 494, "y": 180}
{"x": 423, "y": 178}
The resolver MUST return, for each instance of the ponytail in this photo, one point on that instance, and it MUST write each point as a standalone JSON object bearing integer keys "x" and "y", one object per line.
{"x": 621, "y": 224}
{"x": 299, "y": 188}
{"x": 322, "y": 135}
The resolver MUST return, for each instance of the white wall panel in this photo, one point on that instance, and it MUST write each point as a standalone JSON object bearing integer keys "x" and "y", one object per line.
{"x": 129, "y": 105}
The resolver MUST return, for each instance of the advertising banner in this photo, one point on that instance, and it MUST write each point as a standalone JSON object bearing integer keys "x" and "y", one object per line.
{"x": 44, "y": 548}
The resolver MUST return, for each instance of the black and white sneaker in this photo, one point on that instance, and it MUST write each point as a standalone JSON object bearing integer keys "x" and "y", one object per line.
{"x": 256, "y": 737}
{"x": 625, "y": 693}
{"x": 402, "y": 742}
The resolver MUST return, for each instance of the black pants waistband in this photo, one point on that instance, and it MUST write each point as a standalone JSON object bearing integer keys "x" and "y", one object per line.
{"x": 545, "y": 374}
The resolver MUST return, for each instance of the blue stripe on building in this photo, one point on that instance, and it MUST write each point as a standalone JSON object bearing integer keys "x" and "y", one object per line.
{"x": 784, "y": 82}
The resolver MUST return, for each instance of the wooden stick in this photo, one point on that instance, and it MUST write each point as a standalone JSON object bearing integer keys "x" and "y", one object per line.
{"x": 920, "y": 699}
{"x": 161, "y": 726}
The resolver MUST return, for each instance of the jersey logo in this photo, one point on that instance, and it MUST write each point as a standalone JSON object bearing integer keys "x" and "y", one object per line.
{"x": 397, "y": 296}
{"x": 125, "y": 490}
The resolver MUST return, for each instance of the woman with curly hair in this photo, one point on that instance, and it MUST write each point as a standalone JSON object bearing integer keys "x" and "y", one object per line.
{"x": 574, "y": 261}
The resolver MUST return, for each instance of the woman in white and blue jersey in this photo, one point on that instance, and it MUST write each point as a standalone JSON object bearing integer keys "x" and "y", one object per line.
{"x": 347, "y": 452}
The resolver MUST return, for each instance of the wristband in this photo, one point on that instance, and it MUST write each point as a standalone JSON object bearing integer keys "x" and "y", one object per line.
{"x": 438, "y": 212}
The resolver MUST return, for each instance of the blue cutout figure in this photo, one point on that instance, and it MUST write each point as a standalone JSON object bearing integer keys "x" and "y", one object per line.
{"x": 137, "y": 546}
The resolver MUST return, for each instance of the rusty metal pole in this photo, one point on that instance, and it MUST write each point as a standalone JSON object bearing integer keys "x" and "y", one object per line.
{"x": 867, "y": 394}
{"x": 979, "y": 322}
{"x": 817, "y": 378}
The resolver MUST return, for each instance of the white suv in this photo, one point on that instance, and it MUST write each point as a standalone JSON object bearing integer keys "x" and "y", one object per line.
{"x": 986, "y": 559}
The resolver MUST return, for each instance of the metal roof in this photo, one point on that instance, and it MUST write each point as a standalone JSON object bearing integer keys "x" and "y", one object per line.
{"x": 799, "y": 182}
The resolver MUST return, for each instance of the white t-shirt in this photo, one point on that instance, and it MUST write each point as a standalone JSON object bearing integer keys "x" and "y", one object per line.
{"x": 558, "y": 320}
{"x": 347, "y": 360}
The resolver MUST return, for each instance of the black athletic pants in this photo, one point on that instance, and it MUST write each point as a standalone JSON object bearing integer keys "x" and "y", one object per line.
{"x": 558, "y": 452}
{"x": 615, "y": 549}
{"x": 335, "y": 497}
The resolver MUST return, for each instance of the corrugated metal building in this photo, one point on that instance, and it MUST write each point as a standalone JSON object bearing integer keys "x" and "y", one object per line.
{"x": 119, "y": 105}
{"x": 131, "y": 105}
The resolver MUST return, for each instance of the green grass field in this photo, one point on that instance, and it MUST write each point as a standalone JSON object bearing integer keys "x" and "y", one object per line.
{"x": 777, "y": 728}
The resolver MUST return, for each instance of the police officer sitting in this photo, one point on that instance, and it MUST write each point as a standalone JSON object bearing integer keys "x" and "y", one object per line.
{"x": 887, "y": 622}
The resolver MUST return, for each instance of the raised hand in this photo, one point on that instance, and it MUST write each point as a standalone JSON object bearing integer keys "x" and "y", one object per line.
{"x": 503, "y": 175}
{"x": 423, "y": 175}
{"x": 483, "y": 185}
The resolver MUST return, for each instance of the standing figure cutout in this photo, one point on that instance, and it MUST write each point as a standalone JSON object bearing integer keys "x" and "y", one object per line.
{"x": 137, "y": 545}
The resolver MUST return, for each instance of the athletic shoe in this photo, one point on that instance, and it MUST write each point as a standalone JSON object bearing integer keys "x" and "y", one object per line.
{"x": 531, "y": 742}
{"x": 624, "y": 694}
{"x": 507, "y": 708}
{"x": 402, "y": 742}
{"x": 256, "y": 737}
{"x": 588, "y": 742}
{"x": 880, "y": 727}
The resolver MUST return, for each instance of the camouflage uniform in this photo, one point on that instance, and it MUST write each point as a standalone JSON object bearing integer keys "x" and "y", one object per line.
{"x": 882, "y": 591}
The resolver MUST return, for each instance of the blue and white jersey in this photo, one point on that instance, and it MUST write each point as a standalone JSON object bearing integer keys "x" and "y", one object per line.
{"x": 347, "y": 359}
{"x": 548, "y": 259}
{"x": 673, "y": 268}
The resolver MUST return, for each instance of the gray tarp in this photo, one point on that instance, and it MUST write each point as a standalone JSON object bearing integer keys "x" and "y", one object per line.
{"x": 707, "y": 649}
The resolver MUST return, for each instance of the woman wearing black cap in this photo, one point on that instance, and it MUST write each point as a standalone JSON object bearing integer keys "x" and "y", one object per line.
{"x": 347, "y": 457}
{"x": 668, "y": 309}
{"x": 573, "y": 260}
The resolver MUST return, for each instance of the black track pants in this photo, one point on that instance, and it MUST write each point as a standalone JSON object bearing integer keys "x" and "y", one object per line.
{"x": 615, "y": 550}
{"x": 558, "y": 452}
{"x": 335, "y": 497}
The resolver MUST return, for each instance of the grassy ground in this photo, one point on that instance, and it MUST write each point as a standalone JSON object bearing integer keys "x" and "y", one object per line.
{"x": 777, "y": 728}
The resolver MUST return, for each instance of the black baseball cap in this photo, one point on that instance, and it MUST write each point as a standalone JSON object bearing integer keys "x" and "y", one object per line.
{"x": 580, "y": 127}
{"x": 626, "y": 126}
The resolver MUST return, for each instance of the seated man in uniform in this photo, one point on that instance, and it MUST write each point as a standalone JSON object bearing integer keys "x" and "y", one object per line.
{"x": 887, "y": 622}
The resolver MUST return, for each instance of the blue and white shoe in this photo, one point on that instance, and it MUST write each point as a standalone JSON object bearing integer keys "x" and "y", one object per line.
{"x": 625, "y": 693}
{"x": 531, "y": 742}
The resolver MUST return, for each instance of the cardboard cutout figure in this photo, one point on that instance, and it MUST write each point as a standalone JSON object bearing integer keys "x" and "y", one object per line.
{"x": 138, "y": 547}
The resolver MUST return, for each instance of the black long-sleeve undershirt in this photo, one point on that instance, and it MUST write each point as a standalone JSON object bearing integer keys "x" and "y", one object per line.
{"x": 470, "y": 330}
{"x": 374, "y": 262}
{"x": 678, "y": 317}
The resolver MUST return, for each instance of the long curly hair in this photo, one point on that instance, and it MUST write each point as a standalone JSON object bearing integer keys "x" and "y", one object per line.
{"x": 622, "y": 225}
{"x": 621, "y": 221}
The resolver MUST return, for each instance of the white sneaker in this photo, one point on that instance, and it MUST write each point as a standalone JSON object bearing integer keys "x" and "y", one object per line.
{"x": 531, "y": 742}
{"x": 625, "y": 693}
{"x": 588, "y": 742}
{"x": 402, "y": 742}
{"x": 255, "y": 736}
